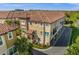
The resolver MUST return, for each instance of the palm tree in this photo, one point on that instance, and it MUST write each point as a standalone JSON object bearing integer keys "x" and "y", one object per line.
{"x": 23, "y": 46}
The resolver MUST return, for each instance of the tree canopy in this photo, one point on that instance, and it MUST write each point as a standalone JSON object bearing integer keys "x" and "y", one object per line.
{"x": 23, "y": 46}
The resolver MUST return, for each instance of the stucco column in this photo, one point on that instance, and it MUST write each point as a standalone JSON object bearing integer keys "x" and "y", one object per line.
{"x": 44, "y": 34}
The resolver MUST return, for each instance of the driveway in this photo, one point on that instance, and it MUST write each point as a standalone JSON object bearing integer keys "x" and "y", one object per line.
{"x": 64, "y": 40}
{"x": 59, "y": 47}
{"x": 49, "y": 51}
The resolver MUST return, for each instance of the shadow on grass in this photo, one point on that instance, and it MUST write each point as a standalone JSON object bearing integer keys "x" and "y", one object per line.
{"x": 64, "y": 39}
{"x": 75, "y": 34}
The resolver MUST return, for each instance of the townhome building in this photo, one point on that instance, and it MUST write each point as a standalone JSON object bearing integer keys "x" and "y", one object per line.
{"x": 45, "y": 26}
{"x": 7, "y": 39}
{"x": 40, "y": 27}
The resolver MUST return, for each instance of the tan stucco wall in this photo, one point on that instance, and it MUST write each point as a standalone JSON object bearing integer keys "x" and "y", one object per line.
{"x": 2, "y": 21}
{"x": 10, "y": 42}
{"x": 47, "y": 38}
{"x": 40, "y": 28}
{"x": 23, "y": 25}
{"x": 3, "y": 47}
{"x": 49, "y": 28}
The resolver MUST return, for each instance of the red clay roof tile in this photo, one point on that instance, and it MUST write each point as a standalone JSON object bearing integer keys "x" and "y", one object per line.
{"x": 6, "y": 28}
{"x": 43, "y": 16}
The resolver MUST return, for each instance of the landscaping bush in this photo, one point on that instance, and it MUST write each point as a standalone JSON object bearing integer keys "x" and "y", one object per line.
{"x": 40, "y": 46}
{"x": 23, "y": 46}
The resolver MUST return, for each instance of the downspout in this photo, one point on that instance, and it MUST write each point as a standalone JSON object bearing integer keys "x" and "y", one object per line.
{"x": 27, "y": 20}
{"x": 44, "y": 35}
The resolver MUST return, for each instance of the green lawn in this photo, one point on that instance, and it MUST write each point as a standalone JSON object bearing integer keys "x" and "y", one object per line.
{"x": 75, "y": 34}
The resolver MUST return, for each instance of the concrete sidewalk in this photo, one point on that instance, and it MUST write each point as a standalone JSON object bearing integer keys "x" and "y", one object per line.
{"x": 49, "y": 51}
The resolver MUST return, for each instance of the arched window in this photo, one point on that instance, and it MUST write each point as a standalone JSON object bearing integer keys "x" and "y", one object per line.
{"x": 10, "y": 35}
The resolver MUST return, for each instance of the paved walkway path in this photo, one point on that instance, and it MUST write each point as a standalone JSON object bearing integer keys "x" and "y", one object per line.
{"x": 59, "y": 47}
{"x": 49, "y": 51}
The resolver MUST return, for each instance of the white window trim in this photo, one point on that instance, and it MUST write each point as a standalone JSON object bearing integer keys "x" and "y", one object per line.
{"x": 8, "y": 35}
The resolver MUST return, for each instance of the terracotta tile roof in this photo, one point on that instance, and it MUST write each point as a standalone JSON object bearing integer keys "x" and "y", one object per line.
{"x": 3, "y": 14}
{"x": 46, "y": 16}
{"x": 42, "y": 16}
{"x": 6, "y": 28}
{"x": 17, "y": 14}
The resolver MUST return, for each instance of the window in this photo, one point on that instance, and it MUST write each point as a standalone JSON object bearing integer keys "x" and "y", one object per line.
{"x": 10, "y": 35}
{"x": 41, "y": 32}
{"x": 41, "y": 24}
{"x": 35, "y": 22}
{"x": 46, "y": 33}
{"x": 11, "y": 51}
{"x": 54, "y": 30}
{"x": 14, "y": 49}
{"x": 62, "y": 22}
{"x": 30, "y": 23}
{"x": 1, "y": 40}
{"x": 46, "y": 24}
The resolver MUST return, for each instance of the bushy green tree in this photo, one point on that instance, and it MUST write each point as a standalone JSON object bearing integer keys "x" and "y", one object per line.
{"x": 73, "y": 50}
{"x": 9, "y": 22}
{"x": 23, "y": 46}
{"x": 17, "y": 22}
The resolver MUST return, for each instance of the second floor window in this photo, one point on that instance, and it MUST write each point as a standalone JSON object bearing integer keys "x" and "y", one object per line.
{"x": 1, "y": 40}
{"x": 14, "y": 49}
{"x": 41, "y": 32}
{"x": 62, "y": 22}
{"x": 46, "y": 24}
{"x": 30, "y": 23}
{"x": 35, "y": 22}
{"x": 11, "y": 51}
{"x": 10, "y": 35}
{"x": 46, "y": 33}
{"x": 54, "y": 31}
